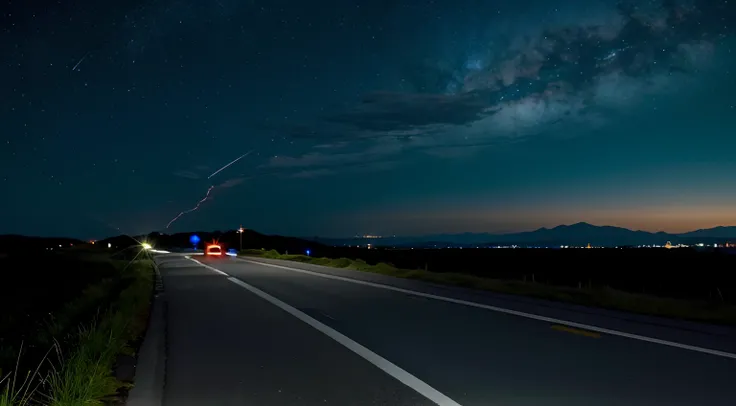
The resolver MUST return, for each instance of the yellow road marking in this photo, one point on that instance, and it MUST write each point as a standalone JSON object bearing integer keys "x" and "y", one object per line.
{"x": 586, "y": 333}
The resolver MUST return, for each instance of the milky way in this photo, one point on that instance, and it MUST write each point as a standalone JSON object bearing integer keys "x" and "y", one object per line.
{"x": 638, "y": 44}
{"x": 564, "y": 73}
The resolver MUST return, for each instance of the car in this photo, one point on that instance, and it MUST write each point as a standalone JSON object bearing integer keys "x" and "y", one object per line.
{"x": 214, "y": 250}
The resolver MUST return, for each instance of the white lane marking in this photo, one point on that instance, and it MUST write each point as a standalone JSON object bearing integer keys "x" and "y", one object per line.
{"x": 387, "y": 366}
{"x": 506, "y": 311}
{"x": 208, "y": 267}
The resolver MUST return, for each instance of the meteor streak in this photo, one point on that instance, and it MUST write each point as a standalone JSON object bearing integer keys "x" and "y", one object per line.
{"x": 207, "y": 196}
{"x": 80, "y": 61}
{"x": 236, "y": 160}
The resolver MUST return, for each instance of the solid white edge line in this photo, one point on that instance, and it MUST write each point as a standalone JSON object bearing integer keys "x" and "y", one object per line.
{"x": 208, "y": 267}
{"x": 506, "y": 311}
{"x": 385, "y": 365}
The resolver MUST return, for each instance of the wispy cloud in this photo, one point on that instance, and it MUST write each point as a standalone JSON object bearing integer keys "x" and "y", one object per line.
{"x": 352, "y": 169}
{"x": 375, "y": 152}
{"x": 231, "y": 182}
{"x": 312, "y": 173}
{"x": 187, "y": 174}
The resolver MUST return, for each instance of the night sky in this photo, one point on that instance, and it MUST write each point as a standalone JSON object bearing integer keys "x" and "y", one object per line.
{"x": 366, "y": 116}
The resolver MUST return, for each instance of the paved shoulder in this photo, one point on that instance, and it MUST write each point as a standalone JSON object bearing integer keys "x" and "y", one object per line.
{"x": 227, "y": 346}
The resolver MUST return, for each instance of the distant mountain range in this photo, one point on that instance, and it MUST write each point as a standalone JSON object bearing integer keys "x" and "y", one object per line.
{"x": 579, "y": 234}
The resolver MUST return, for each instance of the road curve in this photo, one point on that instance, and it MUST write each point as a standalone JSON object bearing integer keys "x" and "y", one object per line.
{"x": 281, "y": 333}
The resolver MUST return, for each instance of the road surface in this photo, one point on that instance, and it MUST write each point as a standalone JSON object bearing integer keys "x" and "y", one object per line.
{"x": 241, "y": 332}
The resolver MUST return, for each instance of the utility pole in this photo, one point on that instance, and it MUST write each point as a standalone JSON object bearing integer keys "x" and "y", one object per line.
{"x": 240, "y": 230}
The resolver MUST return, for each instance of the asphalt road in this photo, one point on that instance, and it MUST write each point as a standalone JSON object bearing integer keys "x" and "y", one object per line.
{"x": 241, "y": 332}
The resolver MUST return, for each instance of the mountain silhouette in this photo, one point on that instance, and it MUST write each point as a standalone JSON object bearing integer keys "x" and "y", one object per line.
{"x": 726, "y": 233}
{"x": 578, "y": 234}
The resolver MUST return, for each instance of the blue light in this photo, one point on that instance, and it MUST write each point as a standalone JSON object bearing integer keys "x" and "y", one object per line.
{"x": 308, "y": 252}
{"x": 194, "y": 239}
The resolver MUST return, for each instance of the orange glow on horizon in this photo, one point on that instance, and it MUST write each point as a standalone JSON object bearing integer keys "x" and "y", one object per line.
{"x": 519, "y": 218}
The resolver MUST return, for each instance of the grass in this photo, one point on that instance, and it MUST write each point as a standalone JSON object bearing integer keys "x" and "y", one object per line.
{"x": 709, "y": 312}
{"x": 15, "y": 393}
{"x": 82, "y": 373}
{"x": 85, "y": 377}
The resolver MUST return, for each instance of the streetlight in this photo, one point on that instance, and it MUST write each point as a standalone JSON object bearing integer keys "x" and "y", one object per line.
{"x": 240, "y": 231}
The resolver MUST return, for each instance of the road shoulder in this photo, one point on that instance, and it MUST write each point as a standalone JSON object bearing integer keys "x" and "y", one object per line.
{"x": 150, "y": 371}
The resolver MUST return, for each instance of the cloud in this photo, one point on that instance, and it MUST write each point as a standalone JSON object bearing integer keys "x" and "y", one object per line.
{"x": 187, "y": 174}
{"x": 336, "y": 145}
{"x": 353, "y": 168}
{"x": 312, "y": 173}
{"x": 376, "y": 152}
{"x": 231, "y": 182}
{"x": 384, "y": 111}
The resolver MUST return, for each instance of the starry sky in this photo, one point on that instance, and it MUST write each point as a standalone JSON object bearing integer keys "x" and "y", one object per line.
{"x": 366, "y": 116}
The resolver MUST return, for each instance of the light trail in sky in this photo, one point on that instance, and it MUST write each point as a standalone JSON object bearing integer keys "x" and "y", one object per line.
{"x": 207, "y": 196}
{"x": 80, "y": 62}
{"x": 236, "y": 160}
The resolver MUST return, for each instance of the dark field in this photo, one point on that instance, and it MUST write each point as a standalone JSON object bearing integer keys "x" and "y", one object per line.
{"x": 677, "y": 273}
{"x": 55, "y": 304}
{"x": 677, "y": 283}
{"x": 37, "y": 292}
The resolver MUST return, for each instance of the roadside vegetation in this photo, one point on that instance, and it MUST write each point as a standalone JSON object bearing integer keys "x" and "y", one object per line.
{"x": 67, "y": 323}
{"x": 711, "y": 311}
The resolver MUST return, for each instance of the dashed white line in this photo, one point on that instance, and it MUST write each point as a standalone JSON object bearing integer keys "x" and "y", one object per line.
{"x": 506, "y": 311}
{"x": 385, "y": 365}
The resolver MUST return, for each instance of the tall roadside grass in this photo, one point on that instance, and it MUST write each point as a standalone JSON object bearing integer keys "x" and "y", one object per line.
{"x": 19, "y": 393}
{"x": 710, "y": 312}
{"x": 79, "y": 370}
{"x": 85, "y": 376}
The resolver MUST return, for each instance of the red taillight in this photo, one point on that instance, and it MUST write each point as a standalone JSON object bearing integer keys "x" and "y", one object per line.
{"x": 217, "y": 250}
